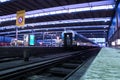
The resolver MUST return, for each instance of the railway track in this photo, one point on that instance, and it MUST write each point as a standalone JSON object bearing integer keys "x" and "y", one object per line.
{"x": 9, "y": 59}
{"x": 53, "y": 69}
{"x": 60, "y": 70}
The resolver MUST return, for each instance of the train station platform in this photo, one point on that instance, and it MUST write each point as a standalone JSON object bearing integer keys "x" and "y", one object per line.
{"x": 106, "y": 66}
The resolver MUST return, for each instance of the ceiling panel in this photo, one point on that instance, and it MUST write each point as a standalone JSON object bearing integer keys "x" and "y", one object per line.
{"x": 11, "y": 7}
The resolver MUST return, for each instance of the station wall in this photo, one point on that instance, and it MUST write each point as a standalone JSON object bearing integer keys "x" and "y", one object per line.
{"x": 114, "y": 31}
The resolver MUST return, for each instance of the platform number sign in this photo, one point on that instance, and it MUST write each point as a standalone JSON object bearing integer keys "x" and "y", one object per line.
{"x": 20, "y": 19}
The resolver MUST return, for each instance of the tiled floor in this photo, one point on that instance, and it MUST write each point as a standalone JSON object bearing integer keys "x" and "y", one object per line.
{"x": 106, "y": 66}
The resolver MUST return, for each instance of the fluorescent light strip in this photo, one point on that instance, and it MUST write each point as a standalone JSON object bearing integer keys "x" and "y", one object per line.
{"x": 78, "y": 31}
{"x": 90, "y": 30}
{"x": 63, "y": 9}
{"x": 94, "y": 32}
{"x": 70, "y": 21}
{"x": 61, "y": 22}
{"x": 73, "y": 27}
{"x": 1, "y": 1}
{"x": 70, "y": 11}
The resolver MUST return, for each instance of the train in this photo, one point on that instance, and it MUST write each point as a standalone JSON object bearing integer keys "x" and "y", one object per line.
{"x": 78, "y": 39}
{"x": 79, "y": 42}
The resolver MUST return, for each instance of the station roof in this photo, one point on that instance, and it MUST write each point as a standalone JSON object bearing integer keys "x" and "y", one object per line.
{"x": 90, "y": 18}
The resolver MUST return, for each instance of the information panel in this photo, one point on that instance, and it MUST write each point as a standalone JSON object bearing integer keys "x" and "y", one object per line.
{"x": 31, "y": 40}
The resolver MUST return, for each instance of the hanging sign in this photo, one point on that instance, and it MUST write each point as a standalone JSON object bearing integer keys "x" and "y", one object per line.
{"x": 20, "y": 19}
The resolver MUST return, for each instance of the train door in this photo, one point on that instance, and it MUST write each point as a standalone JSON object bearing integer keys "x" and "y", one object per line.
{"x": 67, "y": 39}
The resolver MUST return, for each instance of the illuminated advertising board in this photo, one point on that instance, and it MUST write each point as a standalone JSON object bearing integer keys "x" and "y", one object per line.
{"x": 31, "y": 40}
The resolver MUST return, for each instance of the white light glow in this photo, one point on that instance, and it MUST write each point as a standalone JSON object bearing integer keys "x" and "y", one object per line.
{"x": 118, "y": 41}
{"x": 98, "y": 40}
{"x": 61, "y": 22}
{"x": 60, "y": 10}
{"x": 70, "y": 21}
{"x": 4, "y": 0}
{"x": 113, "y": 43}
{"x": 29, "y": 30}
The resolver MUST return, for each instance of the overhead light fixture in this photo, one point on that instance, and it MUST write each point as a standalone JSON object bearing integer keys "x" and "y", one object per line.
{"x": 61, "y": 22}
{"x": 61, "y": 10}
{"x": 72, "y": 27}
{"x": 95, "y": 33}
{"x": 70, "y": 21}
{"x": 4, "y": 1}
{"x": 53, "y": 30}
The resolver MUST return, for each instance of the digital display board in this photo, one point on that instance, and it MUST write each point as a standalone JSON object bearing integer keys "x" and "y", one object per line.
{"x": 32, "y": 40}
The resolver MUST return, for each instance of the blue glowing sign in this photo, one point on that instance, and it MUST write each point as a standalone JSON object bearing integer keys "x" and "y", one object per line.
{"x": 32, "y": 40}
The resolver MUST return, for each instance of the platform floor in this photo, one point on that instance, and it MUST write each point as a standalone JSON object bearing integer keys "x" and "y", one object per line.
{"x": 106, "y": 66}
